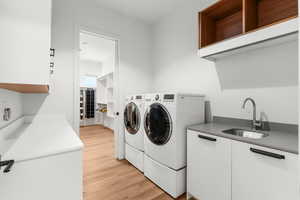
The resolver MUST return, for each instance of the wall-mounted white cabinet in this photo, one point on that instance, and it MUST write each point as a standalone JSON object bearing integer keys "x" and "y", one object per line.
{"x": 219, "y": 168}
{"x": 25, "y": 44}
{"x": 209, "y": 167}
{"x": 263, "y": 173}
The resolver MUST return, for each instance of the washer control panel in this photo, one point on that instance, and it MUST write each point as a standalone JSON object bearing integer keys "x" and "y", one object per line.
{"x": 139, "y": 97}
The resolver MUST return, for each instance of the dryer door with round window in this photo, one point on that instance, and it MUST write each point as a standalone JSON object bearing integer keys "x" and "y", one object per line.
{"x": 132, "y": 118}
{"x": 158, "y": 124}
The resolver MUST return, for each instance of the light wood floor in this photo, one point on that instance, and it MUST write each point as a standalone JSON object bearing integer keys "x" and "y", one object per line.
{"x": 106, "y": 178}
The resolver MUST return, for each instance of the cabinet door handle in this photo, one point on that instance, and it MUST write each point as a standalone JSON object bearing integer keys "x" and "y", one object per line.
{"x": 266, "y": 153}
{"x": 207, "y": 138}
{"x": 8, "y": 164}
{"x": 52, "y": 52}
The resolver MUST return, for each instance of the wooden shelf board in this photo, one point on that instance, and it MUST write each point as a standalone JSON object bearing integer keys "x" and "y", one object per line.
{"x": 264, "y": 44}
{"x": 212, "y": 44}
{"x": 25, "y": 88}
{"x": 223, "y": 8}
{"x": 268, "y": 25}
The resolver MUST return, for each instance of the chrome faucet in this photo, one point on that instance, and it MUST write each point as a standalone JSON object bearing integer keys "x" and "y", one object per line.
{"x": 7, "y": 114}
{"x": 255, "y": 124}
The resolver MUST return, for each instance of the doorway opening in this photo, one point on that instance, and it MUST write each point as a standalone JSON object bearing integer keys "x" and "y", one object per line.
{"x": 96, "y": 91}
{"x": 97, "y": 88}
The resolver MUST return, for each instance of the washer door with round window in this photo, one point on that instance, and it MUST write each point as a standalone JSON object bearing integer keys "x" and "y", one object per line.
{"x": 158, "y": 124}
{"x": 133, "y": 125}
{"x": 160, "y": 140}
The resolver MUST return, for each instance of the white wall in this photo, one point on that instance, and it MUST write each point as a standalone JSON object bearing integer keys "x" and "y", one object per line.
{"x": 11, "y": 100}
{"x": 135, "y": 58}
{"x": 89, "y": 71}
{"x": 268, "y": 75}
{"x": 108, "y": 65}
{"x": 90, "y": 68}
{"x": 135, "y": 45}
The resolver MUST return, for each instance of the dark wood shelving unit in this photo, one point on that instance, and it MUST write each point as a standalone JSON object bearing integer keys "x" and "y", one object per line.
{"x": 220, "y": 21}
{"x": 231, "y": 18}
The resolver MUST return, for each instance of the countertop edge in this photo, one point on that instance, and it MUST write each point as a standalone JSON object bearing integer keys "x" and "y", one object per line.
{"x": 49, "y": 154}
{"x": 244, "y": 141}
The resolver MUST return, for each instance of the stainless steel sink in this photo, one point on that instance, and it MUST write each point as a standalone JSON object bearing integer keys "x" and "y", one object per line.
{"x": 245, "y": 133}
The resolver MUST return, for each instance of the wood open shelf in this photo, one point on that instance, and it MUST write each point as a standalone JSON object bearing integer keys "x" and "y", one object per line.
{"x": 230, "y": 18}
{"x": 25, "y": 88}
{"x": 221, "y": 21}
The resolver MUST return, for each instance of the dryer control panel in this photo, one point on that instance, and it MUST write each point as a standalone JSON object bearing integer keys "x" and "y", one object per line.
{"x": 169, "y": 98}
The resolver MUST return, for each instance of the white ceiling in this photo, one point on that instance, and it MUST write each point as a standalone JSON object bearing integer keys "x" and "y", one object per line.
{"x": 94, "y": 48}
{"x": 146, "y": 10}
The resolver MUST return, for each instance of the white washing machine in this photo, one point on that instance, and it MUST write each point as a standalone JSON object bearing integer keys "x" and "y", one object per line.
{"x": 166, "y": 120}
{"x": 134, "y": 131}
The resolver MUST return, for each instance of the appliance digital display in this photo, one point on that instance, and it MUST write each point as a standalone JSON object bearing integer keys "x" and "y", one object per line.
{"x": 138, "y": 97}
{"x": 169, "y": 96}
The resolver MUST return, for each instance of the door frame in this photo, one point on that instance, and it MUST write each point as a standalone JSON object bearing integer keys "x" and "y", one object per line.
{"x": 118, "y": 134}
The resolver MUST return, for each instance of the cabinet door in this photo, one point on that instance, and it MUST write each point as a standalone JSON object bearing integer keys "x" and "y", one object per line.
{"x": 56, "y": 177}
{"x": 208, "y": 166}
{"x": 25, "y": 41}
{"x": 263, "y": 173}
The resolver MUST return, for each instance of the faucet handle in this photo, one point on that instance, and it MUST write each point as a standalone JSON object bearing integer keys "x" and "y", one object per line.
{"x": 7, "y": 114}
{"x": 258, "y": 125}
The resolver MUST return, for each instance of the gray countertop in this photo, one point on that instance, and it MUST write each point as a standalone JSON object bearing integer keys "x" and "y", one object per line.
{"x": 280, "y": 140}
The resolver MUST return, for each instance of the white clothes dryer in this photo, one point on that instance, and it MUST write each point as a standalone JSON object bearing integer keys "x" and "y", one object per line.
{"x": 166, "y": 120}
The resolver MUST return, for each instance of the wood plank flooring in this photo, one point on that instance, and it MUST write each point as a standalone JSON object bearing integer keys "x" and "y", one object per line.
{"x": 106, "y": 178}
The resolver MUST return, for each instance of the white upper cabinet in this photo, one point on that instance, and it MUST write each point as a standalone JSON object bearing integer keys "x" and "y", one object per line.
{"x": 208, "y": 166}
{"x": 263, "y": 173}
{"x": 25, "y": 41}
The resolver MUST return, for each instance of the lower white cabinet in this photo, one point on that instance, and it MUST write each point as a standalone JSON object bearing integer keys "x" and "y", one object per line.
{"x": 56, "y": 177}
{"x": 209, "y": 166}
{"x": 263, "y": 173}
{"x": 224, "y": 169}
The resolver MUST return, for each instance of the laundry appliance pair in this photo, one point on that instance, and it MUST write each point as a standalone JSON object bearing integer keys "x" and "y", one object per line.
{"x": 159, "y": 151}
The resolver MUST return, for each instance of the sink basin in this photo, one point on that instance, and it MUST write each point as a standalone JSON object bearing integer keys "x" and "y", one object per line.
{"x": 11, "y": 133}
{"x": 245, "y": 133}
